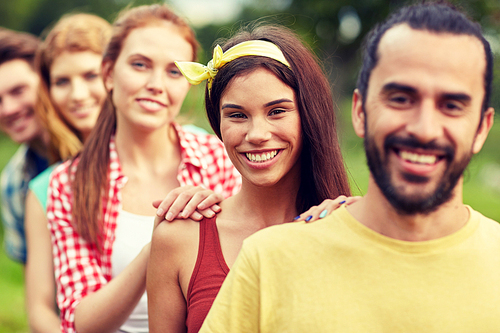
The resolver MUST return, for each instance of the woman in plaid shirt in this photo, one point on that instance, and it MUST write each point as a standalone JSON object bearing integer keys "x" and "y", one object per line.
{"x": 99, "y": 204}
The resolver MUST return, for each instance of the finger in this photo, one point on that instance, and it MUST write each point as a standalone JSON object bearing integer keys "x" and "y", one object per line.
{"x": 158, "y": 220}
{"x": 191, "y": 205}
{"x": 170, "y": 199}
{"x": 351, "y": 200}
{"x": 210, "y": 200}
{"x": 208, "y": 213}
{"x": 215, "y": 208}
{"x": 307, "y": 215}
{"x": 328, "y": 206}
{"x": 156, "y": 203}
{"x": 196, "y": 216}
{"x": 181, "y": 204}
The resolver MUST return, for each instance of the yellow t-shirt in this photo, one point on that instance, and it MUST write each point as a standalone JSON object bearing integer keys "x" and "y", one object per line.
{"x": 336, "y": 275}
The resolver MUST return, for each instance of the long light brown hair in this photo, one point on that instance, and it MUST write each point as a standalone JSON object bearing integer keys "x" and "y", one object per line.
{"x": 90, "y": 186}
{"x": 323, "y": 175}
{"x": 72, "y": 33}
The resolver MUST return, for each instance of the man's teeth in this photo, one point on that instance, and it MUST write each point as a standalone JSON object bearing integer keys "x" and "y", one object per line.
{"x": 418, "y": 158}
{"x": 261, "y": 157}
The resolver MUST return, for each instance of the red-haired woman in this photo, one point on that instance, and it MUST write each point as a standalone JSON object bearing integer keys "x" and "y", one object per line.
{"x": 70, "y": 96}
{"x": 99, "y": 204}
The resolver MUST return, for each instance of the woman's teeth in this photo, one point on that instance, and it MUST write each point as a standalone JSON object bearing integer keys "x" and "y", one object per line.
{"x": 261, "y": 157}
{"x": 418, "y": 158}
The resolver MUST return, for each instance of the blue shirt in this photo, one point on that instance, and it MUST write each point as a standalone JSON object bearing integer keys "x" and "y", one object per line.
{"x": 22, "y": 167}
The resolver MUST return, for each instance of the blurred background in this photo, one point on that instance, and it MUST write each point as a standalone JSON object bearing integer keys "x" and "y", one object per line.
{"x": 334, "y": 29}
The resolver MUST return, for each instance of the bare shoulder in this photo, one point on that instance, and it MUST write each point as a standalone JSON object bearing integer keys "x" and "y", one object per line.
{"x": 176, "y": 235}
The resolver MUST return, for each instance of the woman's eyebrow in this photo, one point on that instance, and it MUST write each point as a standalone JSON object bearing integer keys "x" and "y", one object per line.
{"x": 231, "y": 106}
{"x": 281, "y": 100}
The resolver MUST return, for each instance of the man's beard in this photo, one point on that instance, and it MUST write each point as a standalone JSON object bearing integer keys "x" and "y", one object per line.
{"x": 414, "y": 203}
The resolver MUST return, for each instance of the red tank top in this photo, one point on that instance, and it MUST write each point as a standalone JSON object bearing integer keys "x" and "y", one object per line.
{"x": 208, "y": 274}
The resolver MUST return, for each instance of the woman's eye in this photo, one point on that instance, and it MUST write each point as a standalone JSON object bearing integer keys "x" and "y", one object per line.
{"x": 138, "y": 65}
{"x": 61, "y": 82}
{"x": 276, "y": 112}
{"x": 237, "y": 115}
{"x": 175, "y": 72}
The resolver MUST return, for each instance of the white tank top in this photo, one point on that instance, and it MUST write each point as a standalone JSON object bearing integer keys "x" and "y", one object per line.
{"x": 131, "y": 234}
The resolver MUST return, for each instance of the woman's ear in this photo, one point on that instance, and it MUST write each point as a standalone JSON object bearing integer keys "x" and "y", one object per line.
{"x": 358, "y": 114}
{"x": 107, "y": 75}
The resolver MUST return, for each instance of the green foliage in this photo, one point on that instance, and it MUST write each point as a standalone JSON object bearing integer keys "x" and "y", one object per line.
{"x": 317, "y": 22}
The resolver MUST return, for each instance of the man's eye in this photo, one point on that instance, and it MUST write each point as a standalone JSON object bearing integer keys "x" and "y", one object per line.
{"x": 91, "y": 76}
{"x": 452, "y": 106}
{"x": 399, "y": 99}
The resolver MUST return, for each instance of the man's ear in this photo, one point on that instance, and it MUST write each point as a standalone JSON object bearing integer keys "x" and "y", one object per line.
{"x": 483, "y": 130}
{"x": 358, "y": 114}
{"x": 107, "y": 75}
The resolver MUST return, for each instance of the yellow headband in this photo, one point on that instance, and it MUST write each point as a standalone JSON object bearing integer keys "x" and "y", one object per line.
{"x": 196, "y": 73}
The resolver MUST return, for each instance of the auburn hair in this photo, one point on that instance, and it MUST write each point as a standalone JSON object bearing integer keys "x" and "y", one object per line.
{"x": 90, "y": 185}
{"x": 72, "y": 33}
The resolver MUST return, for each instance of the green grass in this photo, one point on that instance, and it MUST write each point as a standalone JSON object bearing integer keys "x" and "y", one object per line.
{"x": 12, "y": 308}
{"x": 481, "y": 191}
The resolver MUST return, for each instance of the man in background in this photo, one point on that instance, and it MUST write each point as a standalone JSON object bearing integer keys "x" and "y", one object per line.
{"x": 18, "y": 94}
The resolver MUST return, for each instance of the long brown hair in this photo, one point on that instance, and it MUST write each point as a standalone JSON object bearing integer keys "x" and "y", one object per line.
{"x": 91, "y": 179}
{"x": 72, "y": 33}
{"x": 323, "y": 174}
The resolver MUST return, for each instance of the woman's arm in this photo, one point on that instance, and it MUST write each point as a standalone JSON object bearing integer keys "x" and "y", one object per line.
{"x": 106, "y": 309}
{"x": 90, "y": 301}
{"x": 166, "y": 303}
{"x": 39, "y": 275}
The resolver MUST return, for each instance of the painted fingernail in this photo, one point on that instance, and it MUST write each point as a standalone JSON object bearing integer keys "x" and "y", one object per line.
{"x": 323, "y": 213}
{"x": 296, "y": 218}
{"x": 160, "y": 212}
{"x": 342, "y": 202}
{"x": 309, "y": 218}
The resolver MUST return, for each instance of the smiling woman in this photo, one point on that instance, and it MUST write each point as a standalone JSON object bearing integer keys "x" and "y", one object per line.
{"x": 71, "y": 95}
{"x": 99, "y": 206}
{"x": 271, "y": 105}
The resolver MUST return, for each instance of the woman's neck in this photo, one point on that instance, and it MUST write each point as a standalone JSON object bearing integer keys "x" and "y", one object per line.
{"x": 147, "y": 149}
{"x": 263, "y": 206}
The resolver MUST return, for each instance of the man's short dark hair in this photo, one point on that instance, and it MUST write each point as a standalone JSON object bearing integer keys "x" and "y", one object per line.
{"x": 438, "y": 17}
{"x": 17, "y": 45}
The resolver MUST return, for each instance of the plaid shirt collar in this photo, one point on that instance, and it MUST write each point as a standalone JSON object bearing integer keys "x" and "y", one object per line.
{"x": 190, "y": 154}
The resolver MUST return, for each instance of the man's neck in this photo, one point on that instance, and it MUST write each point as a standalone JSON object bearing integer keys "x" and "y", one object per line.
{"x": 376, "y": 213}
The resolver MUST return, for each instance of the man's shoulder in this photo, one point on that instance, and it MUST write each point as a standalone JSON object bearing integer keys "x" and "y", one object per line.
{"x": 17, "y": 161}
{"x": 285, "y": 234}
{"x": 486, "y": 222}
{"x": 13, "y": 172}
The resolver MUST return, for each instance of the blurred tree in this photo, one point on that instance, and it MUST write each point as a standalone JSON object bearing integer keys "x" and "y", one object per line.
{"x": 335, "y": 29}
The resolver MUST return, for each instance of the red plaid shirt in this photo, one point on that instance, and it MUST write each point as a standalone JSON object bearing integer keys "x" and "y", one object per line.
{"x": 79, "y": 268}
